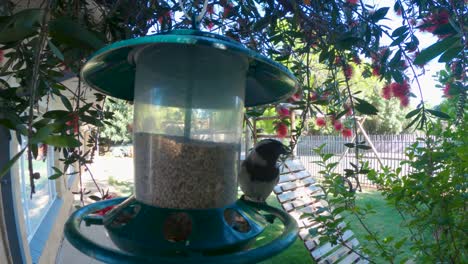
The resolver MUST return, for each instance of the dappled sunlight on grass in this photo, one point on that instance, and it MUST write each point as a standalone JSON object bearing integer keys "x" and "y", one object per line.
{"x": 119, "y": 187}
{"x": 385, "y": 221}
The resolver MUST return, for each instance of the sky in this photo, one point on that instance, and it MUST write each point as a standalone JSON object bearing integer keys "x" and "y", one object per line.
{"x": 431, "y": 94}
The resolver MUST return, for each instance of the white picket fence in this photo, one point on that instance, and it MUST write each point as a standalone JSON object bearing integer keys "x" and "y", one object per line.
{"x": 390, "y": 148}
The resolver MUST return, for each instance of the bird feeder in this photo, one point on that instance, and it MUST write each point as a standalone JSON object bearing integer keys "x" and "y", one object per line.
{"x": 189, "y": 90}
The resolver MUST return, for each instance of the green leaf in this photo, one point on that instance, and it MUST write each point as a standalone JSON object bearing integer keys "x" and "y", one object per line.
{"x": 413, "y": 121}
{"x": 400, "y": 243}
{"x": 445, "y": 29}
{"x": 58, "y": 173}
{"x": 313, "y": 232}
{"x": 73, "y": 34}
{"x": 396, "y": 59}
{"x": 365, "y": 108}
{"x": 413, "y": 113}
{"x": 91, "y": 120}
{"x": 55, "y": 50}
{"x": 379, "y": 14}
{"x": 21, "y": 25}
{"x": 10, "y": 163}
{"x": 349, "y": 145}
{"x": 94, "y": 198}
{"x": 435, "y": 50}
{"x": 397, "y": 76}
{"x": 66, "y": 102}
{"x": 399, "y": 31}
{"x": 451, "y": 54}
{"x": 62, "y": 141}
{"x": 346, "y": 43}
{"x": 361, "y": 146}
{"x": 56, "y": 114}
{"x": 438, "y": 114}
{"x": 41, "y": 135}
{"x": 399, "y": 40}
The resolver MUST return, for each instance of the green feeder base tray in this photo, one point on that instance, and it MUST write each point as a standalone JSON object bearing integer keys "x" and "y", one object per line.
{"x": 148, "y": 234}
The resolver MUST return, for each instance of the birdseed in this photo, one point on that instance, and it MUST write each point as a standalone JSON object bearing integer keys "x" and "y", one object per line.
{"x": 176, "y": 172}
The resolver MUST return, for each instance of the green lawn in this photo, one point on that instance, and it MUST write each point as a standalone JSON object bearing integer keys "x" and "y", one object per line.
{"x": 385, "y": 221}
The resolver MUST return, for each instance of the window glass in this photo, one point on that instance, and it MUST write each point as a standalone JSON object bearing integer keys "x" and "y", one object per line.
{"x": 36, "y": 208}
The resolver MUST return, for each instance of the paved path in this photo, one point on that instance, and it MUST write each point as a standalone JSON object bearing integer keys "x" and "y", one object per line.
{"x": 109, "y": 172}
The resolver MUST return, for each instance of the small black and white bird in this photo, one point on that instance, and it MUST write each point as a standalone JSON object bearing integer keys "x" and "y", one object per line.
{"x": 259, "y": 171}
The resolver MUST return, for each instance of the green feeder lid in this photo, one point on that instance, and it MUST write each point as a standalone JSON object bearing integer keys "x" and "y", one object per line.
{"x": 111, "y": 70}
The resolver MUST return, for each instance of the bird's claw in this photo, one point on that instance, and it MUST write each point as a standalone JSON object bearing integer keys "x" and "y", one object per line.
{"x": 270, "y": 218}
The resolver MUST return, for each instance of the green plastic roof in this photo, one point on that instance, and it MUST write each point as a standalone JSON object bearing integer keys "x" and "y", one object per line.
{"x": 112, "y": 71}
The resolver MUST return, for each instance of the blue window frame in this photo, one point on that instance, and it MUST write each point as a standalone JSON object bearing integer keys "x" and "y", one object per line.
{"x": 37, "y": 207}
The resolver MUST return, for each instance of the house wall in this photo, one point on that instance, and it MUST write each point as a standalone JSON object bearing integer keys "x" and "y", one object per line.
{"x": 5, "y": 256}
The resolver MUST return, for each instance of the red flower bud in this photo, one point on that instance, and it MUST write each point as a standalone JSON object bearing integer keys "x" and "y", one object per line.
{"x": 320, "y": 122}
{"x": 338, "y": 125}
{"x": 281, "y": 130}
{"x": 347, "y": 133}
{"x": 282, "y": 111}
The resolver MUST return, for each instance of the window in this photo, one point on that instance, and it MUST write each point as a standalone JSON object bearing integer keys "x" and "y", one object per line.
{"x": 36, "y": 209}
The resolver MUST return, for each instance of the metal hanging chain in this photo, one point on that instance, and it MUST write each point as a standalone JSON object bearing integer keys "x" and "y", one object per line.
{"x": 195, "y": 20}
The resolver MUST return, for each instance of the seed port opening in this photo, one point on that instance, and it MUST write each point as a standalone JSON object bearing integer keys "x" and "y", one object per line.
{"x": 177, "y": 227}
{"x": 236, "y": 221}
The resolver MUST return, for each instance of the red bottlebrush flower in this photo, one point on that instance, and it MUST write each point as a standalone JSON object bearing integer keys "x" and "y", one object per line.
{"x": 165, "y": 17}
{"x": 356, "y": 60}
{"x": 314, "y": 96}
{"x": 447, "y": 90}
{"x": 295, "y": 97}
{"x": 353, "y": 23}
{"x": 325, "y": 96}
{"x": 349, "y": 110}
{"x": 227, "y": 10}
{"x": 434, "y": 20}
{"x": 281, "y": 130}
{"x": 2, "y": 55}
{"x": 320, "y": 122}
{"x": 352, "y": 2}
{"x": 382, "y": 51}
{"x": 376, "y": 70}
{"x": 404, "y": 65}
{"x": 210, "y": 9}
{"x": 348, "y": 71}
{"x": 338, "y": 125}
{"x": 374, "y": 57}
{"x": 337, "y": 60}
{"x": 404, "y": 101}
{"x": 347, "y": 133}
{"x": 399, "y": 11}
{"x": 210, "y": 26}
{"x": 282, "y": 111}
{"x": 400, "y": 90}
{"x": 387, "y": 92}
{"x": 73, "y": 122}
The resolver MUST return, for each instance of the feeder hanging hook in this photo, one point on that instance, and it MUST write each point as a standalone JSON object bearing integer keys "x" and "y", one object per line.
{"x": 195, "y": 19}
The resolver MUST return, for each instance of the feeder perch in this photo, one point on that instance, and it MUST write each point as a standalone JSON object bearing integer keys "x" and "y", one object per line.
{"x": 189, "y": 90}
